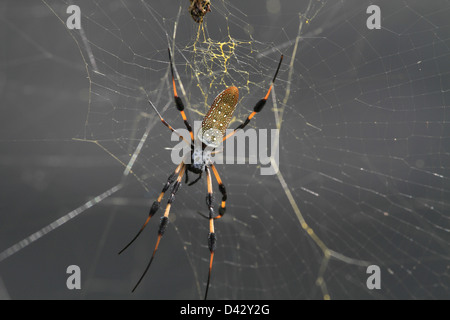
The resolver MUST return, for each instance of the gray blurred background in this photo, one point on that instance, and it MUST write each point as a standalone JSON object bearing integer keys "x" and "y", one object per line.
{"x": 364, "y": 149}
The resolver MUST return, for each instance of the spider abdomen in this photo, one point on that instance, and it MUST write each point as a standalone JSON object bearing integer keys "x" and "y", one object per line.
{"x": 217, "y": 120}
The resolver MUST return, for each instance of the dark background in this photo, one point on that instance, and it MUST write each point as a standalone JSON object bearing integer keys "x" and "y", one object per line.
{"x": 364, "y": 149}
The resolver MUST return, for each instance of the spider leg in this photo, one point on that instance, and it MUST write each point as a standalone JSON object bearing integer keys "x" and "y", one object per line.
{"x": 180, "y": 107}
{"x": 187, "y": 177}
{"x": 164, "y": 122}
{"x": 155, "y": 205}
{"x": 164, "y": 220}
{"x": 223, "y": 191}
{"x": 196, "y": 180}
{"x": 178, "y": 101}
{"x": 259, "y": 105}
{"x": 211, "y": 236}
{"x": 193, "y": 182}
{"x": 203, "y": 215}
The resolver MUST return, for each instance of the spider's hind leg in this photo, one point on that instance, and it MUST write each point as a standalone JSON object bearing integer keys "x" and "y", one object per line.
{"x": 164, "y": 220}
{"x": 155, "y": 205}
{"x": 212, "y": 235}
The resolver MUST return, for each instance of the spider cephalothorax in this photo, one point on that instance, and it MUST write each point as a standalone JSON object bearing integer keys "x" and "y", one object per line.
{"x": 199, "y": 159}
{"x": 209, "y": 137}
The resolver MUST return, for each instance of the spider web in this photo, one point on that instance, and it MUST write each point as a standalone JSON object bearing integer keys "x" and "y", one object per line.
{"x": 363, "y": 137}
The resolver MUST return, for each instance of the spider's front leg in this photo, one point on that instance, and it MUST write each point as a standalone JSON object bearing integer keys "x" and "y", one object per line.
{"x": 258, "y": 106}
{"x": 178, "y": 101}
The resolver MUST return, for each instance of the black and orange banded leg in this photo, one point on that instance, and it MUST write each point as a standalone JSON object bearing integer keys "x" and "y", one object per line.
{"x": 258, "y": 106}
{"x": 164, "y": 220}
{"x": 212, "y": 235}
{"x": 178, "y": 101}
{"x": 155, "y": 205}
{"x": 164, "y": 122}
{"x": 223, "y": 191}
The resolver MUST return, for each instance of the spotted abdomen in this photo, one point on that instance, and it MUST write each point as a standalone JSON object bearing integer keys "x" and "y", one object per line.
{"x": 217, "y": 120}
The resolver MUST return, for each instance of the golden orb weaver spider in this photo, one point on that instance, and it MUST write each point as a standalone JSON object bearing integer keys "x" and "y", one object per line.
{"x": 216, "y": 120}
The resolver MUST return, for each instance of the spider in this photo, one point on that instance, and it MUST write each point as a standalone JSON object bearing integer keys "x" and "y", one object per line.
{"x": 199, "y": 8}
{"x": 209, "y": 137}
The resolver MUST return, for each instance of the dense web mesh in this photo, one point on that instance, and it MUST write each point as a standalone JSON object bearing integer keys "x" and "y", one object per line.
{"x": 363, "y": 149}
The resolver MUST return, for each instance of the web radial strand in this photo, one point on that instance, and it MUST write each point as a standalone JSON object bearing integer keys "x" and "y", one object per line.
{"x": 57, "y": 223}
